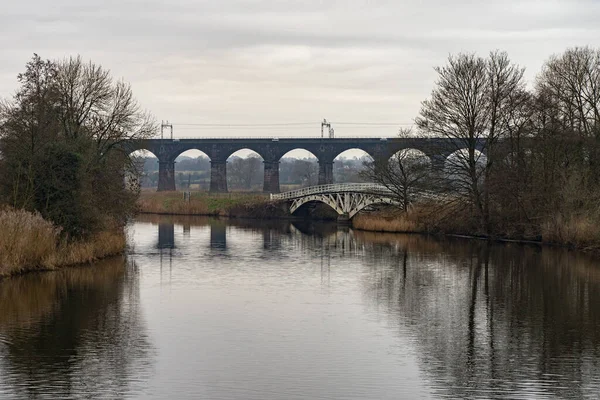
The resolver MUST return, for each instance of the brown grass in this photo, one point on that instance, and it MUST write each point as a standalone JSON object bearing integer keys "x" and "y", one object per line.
{"x": 580, "y": 231}
{"x": 417, "y": 219}
{"x": 29, "y": 243}
{"x": 201, "y": 203}
{"x": 208, "y": 204}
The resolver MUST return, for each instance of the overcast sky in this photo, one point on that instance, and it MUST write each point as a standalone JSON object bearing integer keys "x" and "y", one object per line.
{"x": 292, "y": 61}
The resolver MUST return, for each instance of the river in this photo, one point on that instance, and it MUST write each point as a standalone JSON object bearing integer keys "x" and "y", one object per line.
{"x": 209, "y": 309}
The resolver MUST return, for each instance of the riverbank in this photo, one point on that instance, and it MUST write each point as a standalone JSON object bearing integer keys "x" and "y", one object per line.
{"x": 249, "y": 205}
{"x": 30, "y": 243}
{"x": 575, "y": 231}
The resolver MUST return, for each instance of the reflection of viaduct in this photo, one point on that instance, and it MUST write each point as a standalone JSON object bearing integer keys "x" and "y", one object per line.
{"x": 272, "y": 233}
{"x": 272, "y": 150}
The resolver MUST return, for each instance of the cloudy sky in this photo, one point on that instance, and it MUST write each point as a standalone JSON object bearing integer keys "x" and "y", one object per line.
{"x": 288, "y": 61}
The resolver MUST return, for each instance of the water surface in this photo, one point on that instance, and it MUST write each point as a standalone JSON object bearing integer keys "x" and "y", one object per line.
{"x": 213, "y": 309}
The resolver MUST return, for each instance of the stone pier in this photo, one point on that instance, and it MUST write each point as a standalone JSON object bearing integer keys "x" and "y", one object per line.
{"x": 325, "y": 172}
{"x": 271, "y": 178}
{"x": 218, "y": 176}
{"x": 166, "y": 176}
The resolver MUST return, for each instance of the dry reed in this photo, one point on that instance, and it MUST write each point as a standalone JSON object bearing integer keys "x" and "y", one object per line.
{"x": 391, "y": 221}
{"x": 580, "y": 231}
{"x": 202, "y": 203}
{"x": 29, "y": 243}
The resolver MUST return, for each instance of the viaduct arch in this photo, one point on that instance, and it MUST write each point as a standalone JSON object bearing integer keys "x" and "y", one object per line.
{"x": 272, "y": 150}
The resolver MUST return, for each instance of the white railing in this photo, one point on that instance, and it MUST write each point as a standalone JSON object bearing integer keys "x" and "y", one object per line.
{"x": 333, "y": 188}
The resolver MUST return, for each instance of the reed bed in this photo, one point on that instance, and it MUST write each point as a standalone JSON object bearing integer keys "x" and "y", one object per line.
{"x": 581, "y": 231}
{"x": 200, "y": 203}
{"x": 255, "y": 205}
{"x": 416, "y": 220}
{"x": 29, "y": 243}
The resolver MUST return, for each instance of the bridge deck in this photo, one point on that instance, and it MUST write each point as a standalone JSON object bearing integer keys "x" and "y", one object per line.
{"x": 333, "y": 188}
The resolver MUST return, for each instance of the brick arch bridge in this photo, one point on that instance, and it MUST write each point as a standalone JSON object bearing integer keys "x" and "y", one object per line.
{"x": 272, "y": 150}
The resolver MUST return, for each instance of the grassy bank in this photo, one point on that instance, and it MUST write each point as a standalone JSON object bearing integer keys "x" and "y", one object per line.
{"x": 251, "y": 205}
{"x": 30, "y": 243}
{"x": 575, "y": 231}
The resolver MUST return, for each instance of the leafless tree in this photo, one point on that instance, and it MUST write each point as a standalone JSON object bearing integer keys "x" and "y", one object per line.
{"x": 308, "y": 170}
{"x": 471, "y": 104}
{"x": 571, "y": 84}
{"x": 245, "y": 173}
{"x": 405, "y": 173}
{"x": 95, "y": 106}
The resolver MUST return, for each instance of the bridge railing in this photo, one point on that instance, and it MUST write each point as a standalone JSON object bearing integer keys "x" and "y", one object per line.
{"x": 332, "y": 188}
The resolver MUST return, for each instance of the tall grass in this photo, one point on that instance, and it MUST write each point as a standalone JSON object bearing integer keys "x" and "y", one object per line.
{"x": 208, "y": 204}
{"x": 417, "y": 219}
{"x": 383, "y": 223}
{"x": 582, "y": 231}
{"x": 28, "y": 243}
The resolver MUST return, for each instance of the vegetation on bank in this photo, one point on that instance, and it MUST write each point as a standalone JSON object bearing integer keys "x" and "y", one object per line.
{"x": 524, "y": 160}
{"x": 28, "y": 242}
{"x": 251, "y": 205}
{"x": 62, "y": 169}
{"x": 577, "y": 231}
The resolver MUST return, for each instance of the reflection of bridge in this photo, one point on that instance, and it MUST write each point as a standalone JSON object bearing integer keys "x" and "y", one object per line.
{"x": 272, "y": 150}
{"x": 345, "y": 198}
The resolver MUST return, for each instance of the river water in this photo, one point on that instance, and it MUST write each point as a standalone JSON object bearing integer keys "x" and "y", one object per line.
{"x": 208, "y": 309}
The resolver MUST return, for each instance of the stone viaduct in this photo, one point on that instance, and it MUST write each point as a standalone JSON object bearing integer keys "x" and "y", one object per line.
{"x": 272, "y": 150}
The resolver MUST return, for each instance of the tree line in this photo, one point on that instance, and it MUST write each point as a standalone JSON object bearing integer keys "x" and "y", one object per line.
{"x": 60, "y": 137}
{"x": 526, "y": 160}
{"x": 527, "y": 154}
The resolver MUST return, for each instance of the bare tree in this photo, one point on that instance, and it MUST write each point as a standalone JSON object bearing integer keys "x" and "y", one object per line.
{"x": 472, "y": 104}
{"x": 245, "y": 173}
{"x": 405, "y": 173}
{"x": 571, "y": 83}
{"x": 95, "y": 106}
{"x": 307, "y": 170}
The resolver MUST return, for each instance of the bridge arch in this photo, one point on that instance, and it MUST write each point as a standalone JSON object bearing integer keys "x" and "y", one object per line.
{"x": 456, "y": 164}
{"x": 144, "y": 163}
{"x": 190, "y": 151}
{"x": 245, "y": 170}
{"x": 336, "y": 202}
{"x": 192, "y": 170}
{"x": 459, "y": 159}
{"x": 346, "y": 199}
{"x": 411, "y": 153}
{"x": 348, "y": 164}
{"x": 352, "y": 151}
{"x": 297, "y": 168}
{"x": 411, "y": 160}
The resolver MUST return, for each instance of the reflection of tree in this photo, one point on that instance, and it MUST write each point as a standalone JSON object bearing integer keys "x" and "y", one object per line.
{"x": 74, "y": 332}
{"x": 498, "y": 321}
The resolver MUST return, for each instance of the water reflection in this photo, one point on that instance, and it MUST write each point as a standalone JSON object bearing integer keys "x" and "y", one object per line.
{"x": 501, "y": 320}
{"x": 166, "y": 236}
{"x": 73, "y": 333}
{"x": 218, "y": 234}
{"x": 254, "y": 310}
{"x": 506, "y": 320}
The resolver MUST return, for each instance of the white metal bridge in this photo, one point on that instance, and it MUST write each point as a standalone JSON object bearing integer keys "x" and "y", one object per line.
{"x": 346, "y": 199}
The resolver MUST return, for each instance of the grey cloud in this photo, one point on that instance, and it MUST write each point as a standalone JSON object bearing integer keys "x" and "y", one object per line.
{"x": 258, "y": 60}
